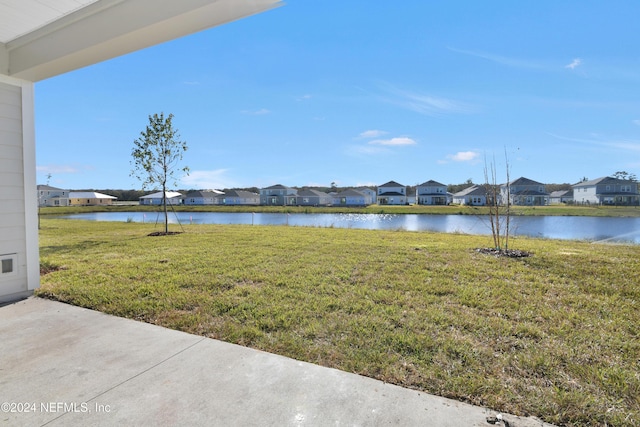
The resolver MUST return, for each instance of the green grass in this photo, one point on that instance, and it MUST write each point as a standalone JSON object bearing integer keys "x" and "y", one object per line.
{"x": 555, "y": 210}
{"x": 554, "y": 335}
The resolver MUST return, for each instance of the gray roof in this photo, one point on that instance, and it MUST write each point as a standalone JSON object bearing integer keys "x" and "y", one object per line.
{"x": 238, "y": 193}
{"x": 351, "y": 193}
{"x": 276, "y": 187}
{"x": 561, "y": 193}
{"x": 392, "y": 184}
{"x": 431, "y": 183}
{"x": 474, "y": 190}
{"x": 312, "y": 193}
{"x": 525, "y": 181}
{"x": 603, "y": 180}
{"x": 200, "y": 193}
{"x": 49, "y": 188}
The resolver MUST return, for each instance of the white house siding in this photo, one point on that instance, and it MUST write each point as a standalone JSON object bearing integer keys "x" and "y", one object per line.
{"x": 18, "y": 210}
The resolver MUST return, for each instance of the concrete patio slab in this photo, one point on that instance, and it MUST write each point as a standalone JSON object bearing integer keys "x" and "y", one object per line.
{"x": 62, "y": 365}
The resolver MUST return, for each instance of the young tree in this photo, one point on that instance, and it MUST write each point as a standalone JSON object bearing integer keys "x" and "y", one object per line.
{"x": 156, "y": 157}
{"x": 499, "y": 204}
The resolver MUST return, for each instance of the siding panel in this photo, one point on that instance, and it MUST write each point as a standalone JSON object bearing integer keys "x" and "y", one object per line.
{"x": 13, "y": 235}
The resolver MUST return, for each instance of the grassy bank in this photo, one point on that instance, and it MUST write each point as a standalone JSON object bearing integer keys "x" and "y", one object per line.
{"x": 554, "y": 210}
{"x": 554, "y": 335}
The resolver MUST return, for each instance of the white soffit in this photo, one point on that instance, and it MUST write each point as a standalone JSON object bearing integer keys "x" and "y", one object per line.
{"x": 20, "y": 17}
{"x": 77, "y": 33}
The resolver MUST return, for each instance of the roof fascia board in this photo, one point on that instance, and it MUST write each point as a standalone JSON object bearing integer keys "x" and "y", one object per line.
{"x": 4, "y": 59}
{"x": 110, "y": 28}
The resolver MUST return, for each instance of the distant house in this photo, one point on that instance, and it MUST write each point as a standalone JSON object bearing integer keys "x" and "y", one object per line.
{"x": 524, "y": 192}
{"x": 392, "y": 193}
{"x": 173, "y": 198}
{"x": 238, "y": 197}
{"x": 607, "y": 191}
{"x": 90, "y": 198}
{"x": 308, "y": 197}
{"x": 475, "y": 195}
{"x": 351, "y": 197}
{"x": 52, "y": 196}
{"x": 561, "y": 196}
{"x": 201, "y": 197}
{"x": 278, "y": 195}
{"x": 431, "y": 193}
{"x": 370, "y": 194}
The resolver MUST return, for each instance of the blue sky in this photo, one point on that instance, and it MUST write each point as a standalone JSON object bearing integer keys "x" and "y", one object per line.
{"x": 359, "y": 93}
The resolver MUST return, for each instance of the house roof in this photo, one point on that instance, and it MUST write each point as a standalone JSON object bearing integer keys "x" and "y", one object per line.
{"x": 312, "y": 193}
{"x": 391, "y": 193}
{"x": 277, "y": 187}
{"x": 525, "y": 181}
{"x": 49, "y": 188}
{"x": 431, "y": 183}
{"x": 561, "y": 193}
{"x": 351, "y": 193}
{"x": 41, "y": 39}
{"x": 474, "y": 190}
{"x": 201, "y": 193}
{"x": 602, "y": 180}
{"x": 239, "y": 193}
{"x": 158, "y": 195}
{"x": 89, "y": 195}
{"x": 391, "y": 184}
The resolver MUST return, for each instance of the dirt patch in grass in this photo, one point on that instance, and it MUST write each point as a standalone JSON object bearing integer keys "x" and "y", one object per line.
{"x": 163, "y": 233}
{"x": 46, "y": 268}
{"x": 508, "y": 253}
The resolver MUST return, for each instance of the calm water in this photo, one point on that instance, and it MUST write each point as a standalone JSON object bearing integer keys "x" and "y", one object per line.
{"x": 553, "y": 227}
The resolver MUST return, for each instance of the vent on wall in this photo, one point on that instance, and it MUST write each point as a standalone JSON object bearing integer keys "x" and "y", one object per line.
{"x": 8, "y": 265}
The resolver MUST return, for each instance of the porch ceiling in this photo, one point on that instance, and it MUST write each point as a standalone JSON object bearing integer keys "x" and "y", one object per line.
{"x": 43, "y": 38}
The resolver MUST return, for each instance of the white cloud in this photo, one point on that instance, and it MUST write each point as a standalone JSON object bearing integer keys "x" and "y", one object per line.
{"x": 422, "y": 103}
{"x": 213, "y": 179}
{"x": 372, "y": 133}
{"x": 394, "y": 141}
{"x": 464, "y": 156}
{"x": 575, "y": 63}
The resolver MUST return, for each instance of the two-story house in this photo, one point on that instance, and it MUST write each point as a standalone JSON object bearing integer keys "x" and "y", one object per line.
{"x": 607, "y": 191}
{"x": 524, "y": 192}
{"x": 392, "y": 193}
{"x": 52, "y": 196}
{"x": 278, "y": 195}
{"x": 431, "y": 193}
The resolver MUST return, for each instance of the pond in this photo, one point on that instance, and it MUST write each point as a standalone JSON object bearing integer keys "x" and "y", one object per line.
{"x": 597, "y": 229}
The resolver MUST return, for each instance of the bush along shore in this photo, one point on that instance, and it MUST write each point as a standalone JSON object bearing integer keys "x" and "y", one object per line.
{"x": 552, "y": 335}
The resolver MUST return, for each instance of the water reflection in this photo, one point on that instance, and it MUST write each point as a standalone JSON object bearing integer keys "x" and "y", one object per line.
{"x": 554, "y": 227}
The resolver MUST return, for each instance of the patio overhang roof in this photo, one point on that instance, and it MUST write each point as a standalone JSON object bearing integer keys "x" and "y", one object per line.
{"x": 39, "y": 40}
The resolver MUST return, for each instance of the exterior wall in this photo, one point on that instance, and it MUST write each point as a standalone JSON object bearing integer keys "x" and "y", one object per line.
{"x": 90, "y": 202}
{"x": 18, "y": 210}
{"x": 200, "y": 201}
{"x": 233, "y": 201}
{"x": 158, "y": 201}
{"x": 53, "y": 198}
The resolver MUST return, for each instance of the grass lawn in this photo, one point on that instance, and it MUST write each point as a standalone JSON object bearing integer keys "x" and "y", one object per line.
{"x": 554, "y": 335}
